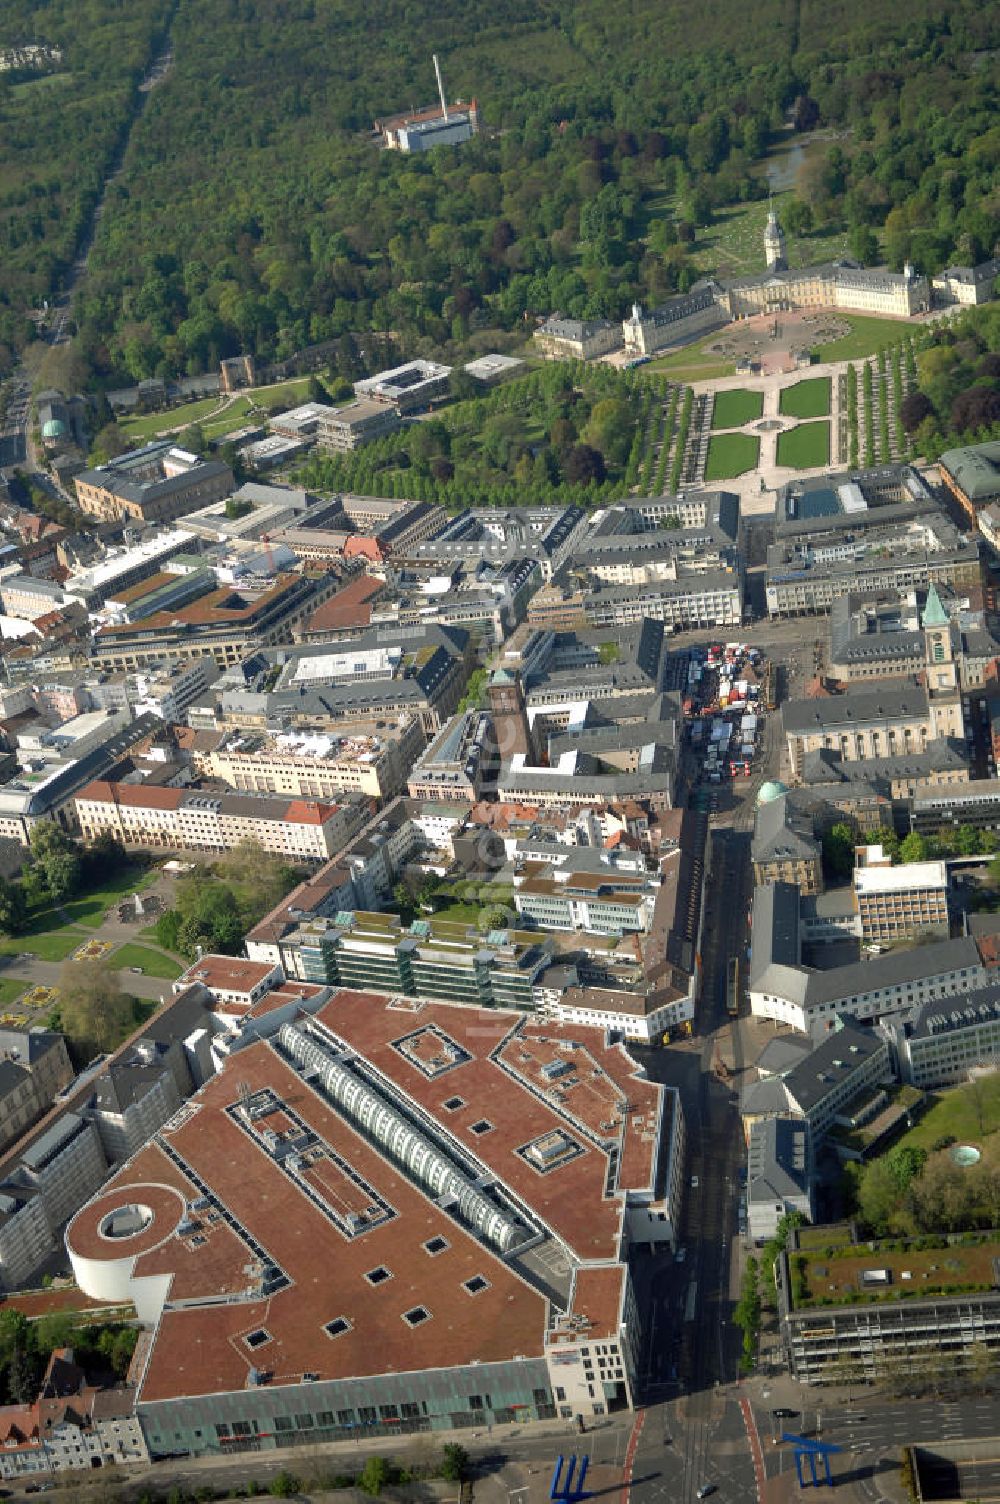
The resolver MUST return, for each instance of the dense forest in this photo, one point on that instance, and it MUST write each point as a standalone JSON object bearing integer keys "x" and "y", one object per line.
{"x": 59, "y": 132}
{"x": 256, "y": 212}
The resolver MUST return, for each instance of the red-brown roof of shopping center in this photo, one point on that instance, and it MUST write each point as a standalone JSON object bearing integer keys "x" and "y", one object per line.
{"x": 498, "y": 1076}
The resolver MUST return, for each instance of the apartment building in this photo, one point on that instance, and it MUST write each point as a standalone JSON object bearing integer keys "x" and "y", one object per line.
{"x": 47, "y": 1175}
{"x": 71, "y": 1426}
{"x": 712, "y": 599}
{"x": 155, "y": 484}
{"x": 28, "y": 598}
{"x": 382, "y": 674}
{"x": 51, "y": 777}
{"x": 315, "y": 765}
{"x": 185, "y": 819}
{"x": 59, "y": 1169}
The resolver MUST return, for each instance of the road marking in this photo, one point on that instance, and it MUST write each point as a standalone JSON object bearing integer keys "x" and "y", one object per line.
{"x": 630, "y": 1451}
{"x": 755, "y": 1447}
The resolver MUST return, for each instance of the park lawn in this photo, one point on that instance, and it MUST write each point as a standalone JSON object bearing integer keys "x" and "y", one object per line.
{"x": 807, "y": 399}
{"x": 867, "y": 337}
{"x": 732, "y": 245}
{"x": 805, "y": 447}
{"x": 693, "y": 363}
{"x": 153, "y": 962}
{"x": 731, "y": 454}
{"x": 968, "y": 1114}
{"x": 90, "y": 908}
{"x": 48, "y": 945}
{"x": 10, "y": 990}
{"x": 733, "y": 409}
{"x": 149, "y": 425}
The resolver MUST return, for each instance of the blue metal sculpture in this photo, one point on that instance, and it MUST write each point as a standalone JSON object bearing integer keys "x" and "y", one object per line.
{"x": 564, "y": 1490}
{"x": 808, "y": 1448}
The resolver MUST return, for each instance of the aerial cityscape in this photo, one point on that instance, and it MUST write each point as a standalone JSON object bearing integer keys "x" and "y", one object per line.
{"x": 499, "y": 752}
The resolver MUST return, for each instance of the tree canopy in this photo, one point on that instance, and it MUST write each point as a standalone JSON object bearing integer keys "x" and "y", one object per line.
{"x": 215, "y": 906}
{"x": 602, "y": 152}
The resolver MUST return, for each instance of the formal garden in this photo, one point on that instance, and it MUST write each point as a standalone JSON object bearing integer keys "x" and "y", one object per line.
{"x": 731, "y": 454}
{"x": 732, "y": 409}
{"x": 805, "y": 447}
{"x": 806, "y": 399}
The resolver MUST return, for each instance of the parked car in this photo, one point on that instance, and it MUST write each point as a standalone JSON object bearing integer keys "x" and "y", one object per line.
{"x": 705, "y": 1490}
{"x": 783, "y": 1412}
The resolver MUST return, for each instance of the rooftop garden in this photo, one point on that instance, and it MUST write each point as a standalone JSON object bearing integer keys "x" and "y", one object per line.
{"x": 912, "y": 1269}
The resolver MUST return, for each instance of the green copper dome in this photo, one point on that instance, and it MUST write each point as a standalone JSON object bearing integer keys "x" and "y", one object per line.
{"x": 770, "y": 791}
{"x": 934, "y": 613}
{"x": 55, "y": 428}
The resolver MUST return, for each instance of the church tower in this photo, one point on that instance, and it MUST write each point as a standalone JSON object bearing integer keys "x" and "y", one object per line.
{"x": 511, "y": 729}
{"x": 941, "y": 672}
{"x": 774, "y": 244}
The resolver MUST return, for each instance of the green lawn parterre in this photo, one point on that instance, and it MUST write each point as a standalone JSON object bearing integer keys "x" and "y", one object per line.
{"x": 804, "y": 447}
{"x": 733, "y": 409}
{"x": 731, "y": 454}
{"x": 152, "y": 962}
{"x": 867, "y": 337}
{"x": 47, "y": 945}
{"x": 807, "y": 399}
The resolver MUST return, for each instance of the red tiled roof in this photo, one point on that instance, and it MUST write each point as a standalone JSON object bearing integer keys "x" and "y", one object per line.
{"x": 360, "y": 547}
{"x": 498, "y": 1074}
{"x": 135, "y": 795}
{"x": 989, "y": 949}
{"x": 349, "y": 607}
{"x": 226, "y": 973}
{"x": 309, "y": 812}
{"x": 18, "y": 1424}
{"x": 209, "y": 610}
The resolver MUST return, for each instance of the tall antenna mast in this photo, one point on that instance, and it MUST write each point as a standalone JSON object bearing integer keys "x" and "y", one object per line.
{"x": 437, "y": 70}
